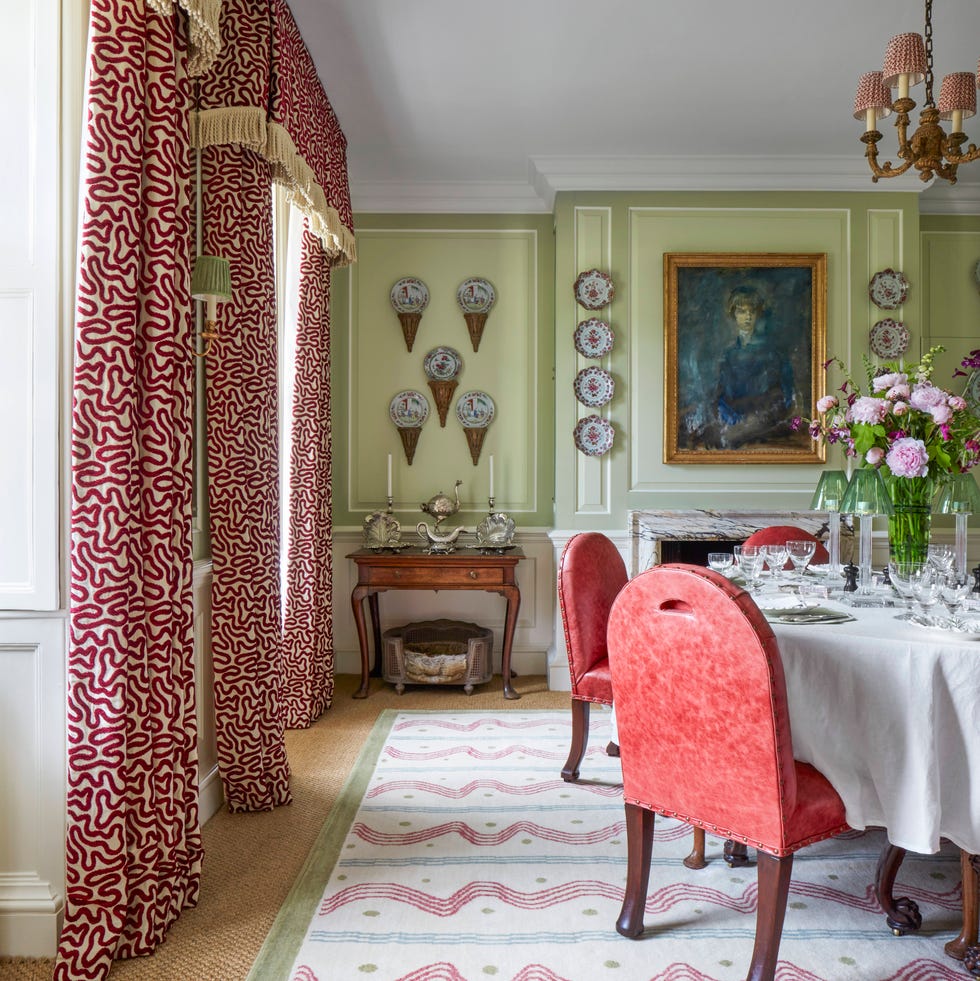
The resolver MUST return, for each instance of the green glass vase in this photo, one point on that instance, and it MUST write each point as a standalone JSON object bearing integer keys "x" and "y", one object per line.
{"x": 910, "y": 525}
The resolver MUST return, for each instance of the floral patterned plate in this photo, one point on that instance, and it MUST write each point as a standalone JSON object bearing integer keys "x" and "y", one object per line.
{"x": 409, "y": 295}
{"x": 442, "y": 364}
{"x": 594, "y": 436}
{"x": 594, "y": 289}
{"x": 594, "y": 386}
{"x": 409, "y": 409}
{"x": 475, "y": 410}
{"x": 476, "y": 295}
{"x": 889, "y": 338}
{"x": 888, "y": 289}
{"x": 593, "y": 338}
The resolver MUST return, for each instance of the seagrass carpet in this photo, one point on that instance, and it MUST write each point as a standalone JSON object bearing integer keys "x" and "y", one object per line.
{"x": 457, "y": 853}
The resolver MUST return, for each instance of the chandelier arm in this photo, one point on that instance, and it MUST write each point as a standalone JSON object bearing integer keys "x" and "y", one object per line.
{"x": 954, "y": 156}
{"x": 878, "y": 170}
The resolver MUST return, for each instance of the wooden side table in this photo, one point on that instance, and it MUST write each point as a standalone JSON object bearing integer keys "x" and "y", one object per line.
{"x": 415, "y": 568}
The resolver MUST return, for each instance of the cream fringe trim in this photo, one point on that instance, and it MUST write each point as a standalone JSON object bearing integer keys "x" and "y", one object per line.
{"x": 247, "y": 125}
{"x": 204, "y": 17}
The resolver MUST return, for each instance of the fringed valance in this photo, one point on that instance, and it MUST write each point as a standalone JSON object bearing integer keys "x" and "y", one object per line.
{"x": 205, "y": 34}
{"x": 263, "y": 92}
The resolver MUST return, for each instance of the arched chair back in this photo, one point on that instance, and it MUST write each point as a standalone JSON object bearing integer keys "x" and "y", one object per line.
{"x": 781, "y": 534}
{"x": 704, "y": 734}
{"x": 591, "y": 573}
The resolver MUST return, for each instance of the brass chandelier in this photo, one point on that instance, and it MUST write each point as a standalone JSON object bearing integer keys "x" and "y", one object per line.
{"x": 908, "y": 61}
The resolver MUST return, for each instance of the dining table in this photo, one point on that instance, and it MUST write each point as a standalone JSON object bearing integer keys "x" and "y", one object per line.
{"x": 888, "y": 709}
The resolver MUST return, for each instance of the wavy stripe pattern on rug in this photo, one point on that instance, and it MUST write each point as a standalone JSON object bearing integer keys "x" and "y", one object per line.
{"x": 467, "y": 859}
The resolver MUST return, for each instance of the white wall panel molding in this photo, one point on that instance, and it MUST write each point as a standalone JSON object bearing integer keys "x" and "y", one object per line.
{"x": 593, "y": 250}
{"x": 533, "y": 635}
{"x": 32, "y": 783}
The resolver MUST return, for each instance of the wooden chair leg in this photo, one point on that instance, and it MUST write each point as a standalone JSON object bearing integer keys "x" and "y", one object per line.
{"x": 736, "y": 854}
{"x": 696, "y": 859}
{"x": 902, "y": 914}
{"x": 580, "y": 740}
{"x": 639, "y": 850}
{"x": 774, "y": 875}
{"x": 970, "y": 867}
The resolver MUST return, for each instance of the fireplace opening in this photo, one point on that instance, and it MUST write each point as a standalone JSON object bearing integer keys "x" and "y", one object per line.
{"x": 694, "y": 552}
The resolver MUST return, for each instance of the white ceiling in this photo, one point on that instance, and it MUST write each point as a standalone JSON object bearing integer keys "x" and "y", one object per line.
{"x": 493, "y": 105}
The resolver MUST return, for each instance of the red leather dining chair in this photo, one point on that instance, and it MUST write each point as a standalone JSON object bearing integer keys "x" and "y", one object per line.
{"x": 781, "y": 534}
{"x": 677, "y": 720}
{"x": 591, "y": 573}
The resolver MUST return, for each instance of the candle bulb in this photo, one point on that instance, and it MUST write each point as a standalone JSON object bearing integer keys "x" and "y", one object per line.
{"x": 389, "y": 475}
{"x": 491, "y": 475}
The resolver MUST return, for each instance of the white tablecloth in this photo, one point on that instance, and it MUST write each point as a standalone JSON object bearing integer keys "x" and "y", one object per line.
{"x": 890, "y": 713}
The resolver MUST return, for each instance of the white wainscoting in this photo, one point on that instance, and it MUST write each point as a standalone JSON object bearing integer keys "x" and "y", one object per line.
{"x": 32, "y": 783}
{"x": 533, "y": 635}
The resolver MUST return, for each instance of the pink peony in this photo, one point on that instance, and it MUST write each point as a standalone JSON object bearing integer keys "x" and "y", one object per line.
{"x": 957, "y": 403}
{"x": 900, "y": 408}
{"x": 882, "y": 382}
{"x": 826, "y": 403}
{"x": 941, "y": 414}
{"x": 870, "y": 410}
{"x": 926, "y": 397}
{"x": 897, "y": 392}
{"x": 874, "y": 456}
{"x": 908, "y": 457}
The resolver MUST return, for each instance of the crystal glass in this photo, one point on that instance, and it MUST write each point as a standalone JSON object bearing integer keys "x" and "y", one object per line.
{"x": 901, "y": 575}
{"x": 953, "y": 592}
{"x": 721, "y": 562}
{"x": 927, "y": 586}
{"x": 750, "y": 564}
{"x": 776, "y": 556}
{"x": 800, "y": 553}
{"x": 941, "y": 558}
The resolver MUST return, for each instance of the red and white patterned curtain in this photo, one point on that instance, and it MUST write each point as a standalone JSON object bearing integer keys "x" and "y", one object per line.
{"x": 263, "y": 105}
{"x": 308, "y": 622}
{"x": 133, "y": 837}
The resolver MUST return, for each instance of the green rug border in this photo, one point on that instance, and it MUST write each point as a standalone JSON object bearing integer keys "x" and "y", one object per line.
{"x": 288, "y": 930}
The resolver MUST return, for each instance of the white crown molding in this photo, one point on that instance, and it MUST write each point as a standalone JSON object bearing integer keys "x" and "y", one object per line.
{"x": 459, "y": 197}
{"x": 547, "y": 175}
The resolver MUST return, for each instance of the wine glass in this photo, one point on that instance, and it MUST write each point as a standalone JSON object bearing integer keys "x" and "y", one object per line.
{"x": 901, "y": 575}
{"x": 926, "y": 588}
{"x": 941, "y": 558}
{"x": 776, "y": 556}
{"x": 721, "y": 562}
{"x": 800, "y": 552}
{"x": 953, "y": 592}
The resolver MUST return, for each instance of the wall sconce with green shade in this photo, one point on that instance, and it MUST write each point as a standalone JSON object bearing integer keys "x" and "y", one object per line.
{"x": 827, "y": 497}
{"x": 958, "y": 495}
{"x": 866, "y": 496}
{"x": 210, "y": 282}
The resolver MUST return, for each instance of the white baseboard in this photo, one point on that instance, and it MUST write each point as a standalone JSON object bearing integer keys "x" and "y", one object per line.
{"x": 211, "y": 795}
{"x": 30, "y": 917}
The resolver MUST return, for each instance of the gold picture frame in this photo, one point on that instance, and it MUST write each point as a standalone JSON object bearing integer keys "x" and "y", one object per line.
{"x": 745, "y": 337}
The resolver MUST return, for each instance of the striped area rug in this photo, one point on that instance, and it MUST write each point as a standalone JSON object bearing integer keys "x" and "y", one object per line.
{"x": 457, "y": 853}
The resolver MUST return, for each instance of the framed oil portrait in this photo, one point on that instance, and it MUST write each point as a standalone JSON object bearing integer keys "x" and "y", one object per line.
{"x": 745, "y": 339}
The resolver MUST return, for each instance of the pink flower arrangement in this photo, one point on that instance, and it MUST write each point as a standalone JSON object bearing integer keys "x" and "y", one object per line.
{"x": 906, "y": 426}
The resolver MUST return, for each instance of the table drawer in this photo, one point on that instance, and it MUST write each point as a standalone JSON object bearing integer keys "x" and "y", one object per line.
{"x": 430, "y": 578}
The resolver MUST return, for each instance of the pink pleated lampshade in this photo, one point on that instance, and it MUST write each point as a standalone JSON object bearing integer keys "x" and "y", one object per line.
{"x": 872, "y": 93}
{"x": 905, "y": 55}
{"x": 959, "y": 92}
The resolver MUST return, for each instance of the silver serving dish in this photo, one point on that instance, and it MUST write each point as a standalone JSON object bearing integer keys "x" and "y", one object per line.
{"x": 496, "y": 530}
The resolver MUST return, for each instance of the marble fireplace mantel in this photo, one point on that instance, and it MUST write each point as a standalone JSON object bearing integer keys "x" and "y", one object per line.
{"x": 647, "y": 529}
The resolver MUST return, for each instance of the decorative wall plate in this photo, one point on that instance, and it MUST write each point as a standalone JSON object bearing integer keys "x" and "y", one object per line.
{"x": 409, "y": 295}
{"x": 442, "y": 364}
{"x": 476, "y": 295}
{"x": 594, "y": 289}
{"x": 889, "y": 338}
{"x": 594, "y": 386}
{"x": 409, "y": 409}
{"x": 594, "y": 436}
{"x": 475, "y": 410}
{"x": 888, "y": 289}
{"x": 593, "y": 338}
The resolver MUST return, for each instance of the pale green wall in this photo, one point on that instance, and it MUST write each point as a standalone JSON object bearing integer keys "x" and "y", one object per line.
{"x": 527, "y": 359}
{"x": 951, "y": 296}
{"x": 514, "y": 365}
{"x": 627, "y": 235}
